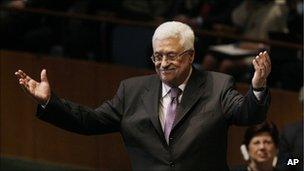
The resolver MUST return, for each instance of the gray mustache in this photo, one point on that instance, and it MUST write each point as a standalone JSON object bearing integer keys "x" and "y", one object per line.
{"x": 169, "y": 69}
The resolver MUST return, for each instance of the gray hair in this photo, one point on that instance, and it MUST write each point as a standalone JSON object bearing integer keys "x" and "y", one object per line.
{"x": 175, "y": 29}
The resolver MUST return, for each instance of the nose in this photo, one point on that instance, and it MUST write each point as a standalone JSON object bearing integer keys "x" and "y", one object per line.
{"x": 164, "y": 63}
{"x": 262, "y": 146}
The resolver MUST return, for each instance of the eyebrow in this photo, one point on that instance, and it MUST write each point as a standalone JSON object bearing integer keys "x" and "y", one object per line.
{"x": 165, "y": 52}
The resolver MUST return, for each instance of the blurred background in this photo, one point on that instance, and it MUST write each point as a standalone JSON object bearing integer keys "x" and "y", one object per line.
{"x": 88, "y": 46}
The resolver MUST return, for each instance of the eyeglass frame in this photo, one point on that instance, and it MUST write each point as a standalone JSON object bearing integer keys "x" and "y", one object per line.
{"x": 170, "y": 58}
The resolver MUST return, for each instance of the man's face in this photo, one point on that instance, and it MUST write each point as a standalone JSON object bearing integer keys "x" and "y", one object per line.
{"x": 172, "y": 72}
{"x": 262, "y": 148}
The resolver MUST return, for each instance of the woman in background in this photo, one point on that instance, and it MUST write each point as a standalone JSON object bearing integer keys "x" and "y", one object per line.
{"x": 260, "y": 147}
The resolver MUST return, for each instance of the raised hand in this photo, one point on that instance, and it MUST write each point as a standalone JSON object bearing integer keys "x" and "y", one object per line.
{"x": 262, "y": 67}
{"x": 39, "y": 91}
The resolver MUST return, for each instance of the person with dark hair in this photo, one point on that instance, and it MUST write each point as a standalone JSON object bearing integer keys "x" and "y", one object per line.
{"x": 260, "y": 147}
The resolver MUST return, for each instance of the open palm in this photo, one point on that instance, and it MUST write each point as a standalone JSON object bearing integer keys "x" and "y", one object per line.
{"x": 39, "y": 91}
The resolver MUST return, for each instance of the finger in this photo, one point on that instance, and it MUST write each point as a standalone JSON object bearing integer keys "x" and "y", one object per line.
{"x": 27, "y": 78}
{"x": 267, "y": 67}
{"x": 23, "y": 75}
{"x": 25, "y": 87}
{"x": 256, "y": 65}
{"x": 43, "y": 76}
{"x": 263, "y": 71}
{"x": 18, "y": 74}
{"x": 22, "y": 81}
{"x": 268, "y": 61}
{"x": 265, "y": 63}
{"x": 260, "y": 57}
{"x": 267, "y": 56}
{"x": 259, "y": 68}
{"x": 23, "y": 84}
{"x": 257, "y": 60}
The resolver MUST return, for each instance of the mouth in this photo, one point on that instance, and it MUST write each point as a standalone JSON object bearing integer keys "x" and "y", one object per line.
{"x": 167, "y": 71}
{"x": 263, "y": 155}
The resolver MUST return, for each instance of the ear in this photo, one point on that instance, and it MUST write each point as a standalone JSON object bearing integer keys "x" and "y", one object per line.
{"x": 192, "y": 55}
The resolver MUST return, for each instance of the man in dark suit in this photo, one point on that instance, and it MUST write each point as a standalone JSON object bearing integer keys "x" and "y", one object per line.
{"x": 175, "y": 119}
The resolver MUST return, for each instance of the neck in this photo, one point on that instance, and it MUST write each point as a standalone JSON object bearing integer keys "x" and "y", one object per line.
{"x": 266, "y": 166}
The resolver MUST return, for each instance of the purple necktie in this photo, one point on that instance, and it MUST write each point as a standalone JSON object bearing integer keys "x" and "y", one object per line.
{"x": 171, "y": 111}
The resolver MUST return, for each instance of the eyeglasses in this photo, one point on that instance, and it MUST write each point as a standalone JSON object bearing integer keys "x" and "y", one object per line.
{"x": 171, "y": 56}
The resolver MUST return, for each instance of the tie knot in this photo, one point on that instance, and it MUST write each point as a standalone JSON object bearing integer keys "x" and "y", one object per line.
{"x": 175, "y": 92}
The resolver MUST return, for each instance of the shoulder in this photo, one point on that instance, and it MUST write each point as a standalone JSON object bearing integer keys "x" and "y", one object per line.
{"x": 217, "y": 78}
{"x": 140, "y": 82}
{"x": 217, "y": 75}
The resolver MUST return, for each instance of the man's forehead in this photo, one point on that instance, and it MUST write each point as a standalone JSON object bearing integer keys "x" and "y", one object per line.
{"x": 167, "y": 44}
{"x": 172, "y": 38}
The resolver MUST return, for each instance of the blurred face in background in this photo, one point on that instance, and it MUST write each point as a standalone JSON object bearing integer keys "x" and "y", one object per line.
{"x": 172, "y": 62}
{"x": 262, "y": 149}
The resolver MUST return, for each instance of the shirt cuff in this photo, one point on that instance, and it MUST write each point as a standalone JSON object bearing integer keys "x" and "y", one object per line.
{"x": 258, "y": 94}
{"x": 44, "y": 105}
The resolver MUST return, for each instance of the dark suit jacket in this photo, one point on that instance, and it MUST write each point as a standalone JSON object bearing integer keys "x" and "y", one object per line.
{"x": 244, "y": 168}
{"x": 198, "y": 140}
{"x": 291, "y": 147}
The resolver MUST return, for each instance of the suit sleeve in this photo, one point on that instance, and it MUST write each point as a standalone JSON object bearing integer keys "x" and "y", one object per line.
{"x": 243, "y": 110}
{"x": 84, "y": 120}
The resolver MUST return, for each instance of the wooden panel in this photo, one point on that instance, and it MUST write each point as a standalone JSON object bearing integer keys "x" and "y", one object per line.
{"x": 16, "y": 121}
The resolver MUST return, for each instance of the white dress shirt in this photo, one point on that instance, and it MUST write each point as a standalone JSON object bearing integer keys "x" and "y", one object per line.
{"x": 166, "y": 99}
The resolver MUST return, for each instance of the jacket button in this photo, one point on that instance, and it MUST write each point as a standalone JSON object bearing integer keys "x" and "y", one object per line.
{"x": 172, "y": 164}
{"x": 170, "y": 138}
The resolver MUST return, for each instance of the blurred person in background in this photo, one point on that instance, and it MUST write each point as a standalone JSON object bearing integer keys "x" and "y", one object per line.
{"x": 256, "y": 18}
{"x": 202, "y": 14}
{"x": 29, "y": 31}
{"x": 291, "y": 144}
{"x": 288, "y": 62}
{"x": 253, "y": 19}
{"x": 260, "y": 147}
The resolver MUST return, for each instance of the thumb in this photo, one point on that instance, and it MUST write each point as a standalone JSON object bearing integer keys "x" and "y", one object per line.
{"x": 43, "y": 76}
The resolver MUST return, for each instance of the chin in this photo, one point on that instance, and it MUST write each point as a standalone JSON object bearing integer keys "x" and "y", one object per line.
{"x": 263, "y": 160}
{"x": 168, "y": 81}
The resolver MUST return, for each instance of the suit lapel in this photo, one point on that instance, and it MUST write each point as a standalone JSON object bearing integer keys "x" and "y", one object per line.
{"x": 192, "y": 93}
{"x": 151, "y": 102}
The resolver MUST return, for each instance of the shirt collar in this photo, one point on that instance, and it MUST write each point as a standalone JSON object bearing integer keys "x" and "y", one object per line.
{"x": 166, "y": 88}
